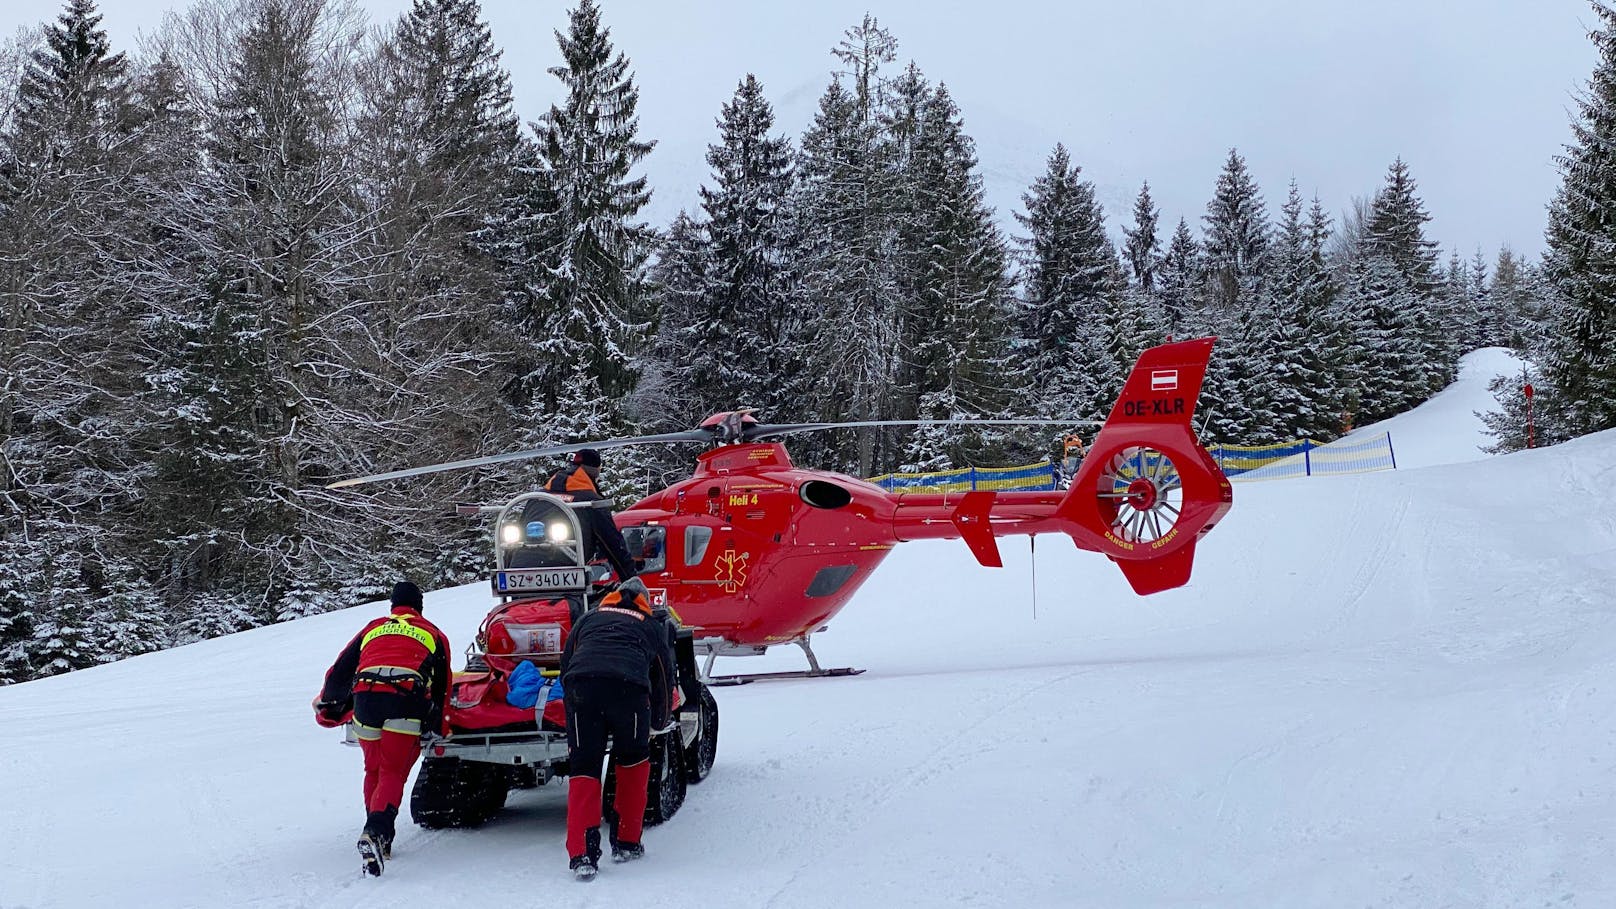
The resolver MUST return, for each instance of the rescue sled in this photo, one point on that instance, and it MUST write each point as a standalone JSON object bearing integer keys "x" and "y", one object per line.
{"x": 541, "y": 585}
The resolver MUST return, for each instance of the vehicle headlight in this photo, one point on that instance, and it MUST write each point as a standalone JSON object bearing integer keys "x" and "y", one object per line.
{"x": 560, "y": 532}
{"x": 510, "y": 534}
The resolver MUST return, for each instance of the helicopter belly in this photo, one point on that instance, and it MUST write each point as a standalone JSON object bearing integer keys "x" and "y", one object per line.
{"x": 791, "y": 592}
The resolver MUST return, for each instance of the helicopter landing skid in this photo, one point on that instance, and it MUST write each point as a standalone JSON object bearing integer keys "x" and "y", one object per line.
{"x": 812, "y": 672}
{"x": 724, "y": 681}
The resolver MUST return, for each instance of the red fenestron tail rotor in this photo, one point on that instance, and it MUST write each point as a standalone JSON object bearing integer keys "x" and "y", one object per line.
{"x": 1148, "y": 490}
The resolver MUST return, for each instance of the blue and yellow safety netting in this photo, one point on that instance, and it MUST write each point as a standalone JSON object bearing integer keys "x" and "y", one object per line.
{"x": 1305, "y": 458}
{"x": 1027, "y": 477}
{"x": 1301, "y": 458}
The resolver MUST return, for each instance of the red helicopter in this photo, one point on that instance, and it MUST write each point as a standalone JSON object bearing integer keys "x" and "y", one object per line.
{"x": 752, "y": 551}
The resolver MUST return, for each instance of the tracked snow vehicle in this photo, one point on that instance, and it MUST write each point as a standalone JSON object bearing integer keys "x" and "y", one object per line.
{"x": 541, "y": 584}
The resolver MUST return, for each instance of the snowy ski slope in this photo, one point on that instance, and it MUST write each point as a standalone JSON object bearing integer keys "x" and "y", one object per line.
{"x": 1394, "y": 689}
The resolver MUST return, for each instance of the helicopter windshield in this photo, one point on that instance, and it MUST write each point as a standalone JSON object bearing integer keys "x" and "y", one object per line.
{"x": 538, "y": 532}
{"x": 647, "y": 546}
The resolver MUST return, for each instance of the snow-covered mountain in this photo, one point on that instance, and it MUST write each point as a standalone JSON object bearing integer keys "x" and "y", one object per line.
{"x": 1393, "y": 689}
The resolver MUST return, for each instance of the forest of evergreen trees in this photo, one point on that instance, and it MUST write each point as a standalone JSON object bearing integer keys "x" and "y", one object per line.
{"x": 278, "y": 249}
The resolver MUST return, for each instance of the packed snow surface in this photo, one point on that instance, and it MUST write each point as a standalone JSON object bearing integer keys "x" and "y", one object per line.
{"x": 1393, "y": 689}
{"x": 1445, "y": 429}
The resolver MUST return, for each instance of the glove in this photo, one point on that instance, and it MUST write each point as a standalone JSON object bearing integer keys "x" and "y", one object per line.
{"x": 331, "y": 714}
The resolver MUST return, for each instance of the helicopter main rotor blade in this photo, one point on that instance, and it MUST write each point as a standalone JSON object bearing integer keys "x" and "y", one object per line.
{"x": 765, "y": 430}
{"x": 689, "y": 435}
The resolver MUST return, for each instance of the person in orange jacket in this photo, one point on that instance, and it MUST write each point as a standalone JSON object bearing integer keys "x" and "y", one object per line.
{"x": 602, "y": 538}
{"x": 394, "y": 677}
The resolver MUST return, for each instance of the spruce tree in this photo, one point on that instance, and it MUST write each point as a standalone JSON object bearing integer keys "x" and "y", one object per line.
{"x": 262, "y": 391}
{"x": 22, "y": 583}
{"x": 957, "y": 340}
{"x": 910, "y": 204}
{"x": 593, "y": 251}
{"x": 1299, "y": 385}
{"x": 1581, "y": 261}
{"x": 1396, "y": 229}
{"x": 1237, "y": 237}
{"x": 845, "y": 317}
{"x": 1178, "y": 279}
{"x": 1519, "y": 317}
{"x": 747, "y": 291}
{"x": 1386, "y": 370}
{"x": 1395, "y": 232}
{"x": 847, "y": 310}
{"x": 1142, "y": 248}
{"x": 1509, "y": 425}
{"x": 1494, "y": 326}
{"x": 201, "y": 371}
{"x": 686, "y": 347}
{"x": 1070, "y": 275}
{"x": 1467, "y": 322}
{"x": 70, "y": 292}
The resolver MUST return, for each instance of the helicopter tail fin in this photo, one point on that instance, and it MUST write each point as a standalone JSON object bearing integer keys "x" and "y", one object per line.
{"x": 1148, "y": 490}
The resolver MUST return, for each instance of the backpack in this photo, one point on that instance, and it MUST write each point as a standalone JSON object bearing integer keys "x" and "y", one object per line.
{"x": 531, "y": 630}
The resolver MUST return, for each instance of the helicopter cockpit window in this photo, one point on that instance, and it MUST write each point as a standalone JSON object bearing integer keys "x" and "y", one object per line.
{"x": 648, "y": 547}
{"x": 539, "y": 534}
{"x": 696, "y": 540}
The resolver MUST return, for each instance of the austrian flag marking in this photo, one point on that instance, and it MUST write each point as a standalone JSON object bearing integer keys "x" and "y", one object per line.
{"x": 1164, "y": 380}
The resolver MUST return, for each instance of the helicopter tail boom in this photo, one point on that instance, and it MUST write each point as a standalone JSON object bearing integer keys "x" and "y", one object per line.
{"x": 1146, "y": 492}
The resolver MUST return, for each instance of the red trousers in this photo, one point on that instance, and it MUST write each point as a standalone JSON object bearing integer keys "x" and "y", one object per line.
{"x": 388, "y": 760}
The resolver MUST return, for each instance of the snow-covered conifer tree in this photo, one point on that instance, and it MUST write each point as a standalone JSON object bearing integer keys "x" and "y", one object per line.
{"x": 1070, "y": 275}
{"x": 1142, "y": 248}
{"x": 845, "y": 321}
{"x": 259, "y": 389}
{"x": 959, "y": 331}
{"x": 1298, "y": 385}
{"x": 69, "y": 294}
{"x": 591, "y": 249}
{"x": 1385, "y": 371}
{"x": 738, "y": 340}
{"x": 1179, "y": 279}
{"x": 672, "y": 393}
{"x": 1237, "y": 237}
{"x": 1395, "y": 232}
{"x": 428, "y": 353}
{"x": 1581, "y": 262}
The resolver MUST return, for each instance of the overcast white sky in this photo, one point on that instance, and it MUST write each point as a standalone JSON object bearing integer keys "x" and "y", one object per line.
{"x": 1474, "y": 94}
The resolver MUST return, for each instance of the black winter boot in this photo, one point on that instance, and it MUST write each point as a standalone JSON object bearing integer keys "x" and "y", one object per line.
{"x": 372, "y": 857}
{"x": 386, "y": 828}
{"x": 584, "y": 867}
{"x": 625, "y": 851}
{"x": 376, "y": 841}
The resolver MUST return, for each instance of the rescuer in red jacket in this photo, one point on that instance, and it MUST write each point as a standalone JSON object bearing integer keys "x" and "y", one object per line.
{"x": 394, "y": 676}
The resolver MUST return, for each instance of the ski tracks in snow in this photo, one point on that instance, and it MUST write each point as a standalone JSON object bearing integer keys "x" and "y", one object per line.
{"x": 947, "y": 752}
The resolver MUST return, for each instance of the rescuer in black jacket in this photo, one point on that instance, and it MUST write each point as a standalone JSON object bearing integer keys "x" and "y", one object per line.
{"x": 617, "y": 680}
{"x": 602, "y": 538}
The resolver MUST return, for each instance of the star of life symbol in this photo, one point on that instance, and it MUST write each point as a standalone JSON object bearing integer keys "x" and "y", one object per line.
{"x": 732, "y": 570}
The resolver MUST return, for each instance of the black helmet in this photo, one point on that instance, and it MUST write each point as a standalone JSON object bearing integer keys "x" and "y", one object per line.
{"x": 586, "y": 457}
{"x": 406, "y": 594}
